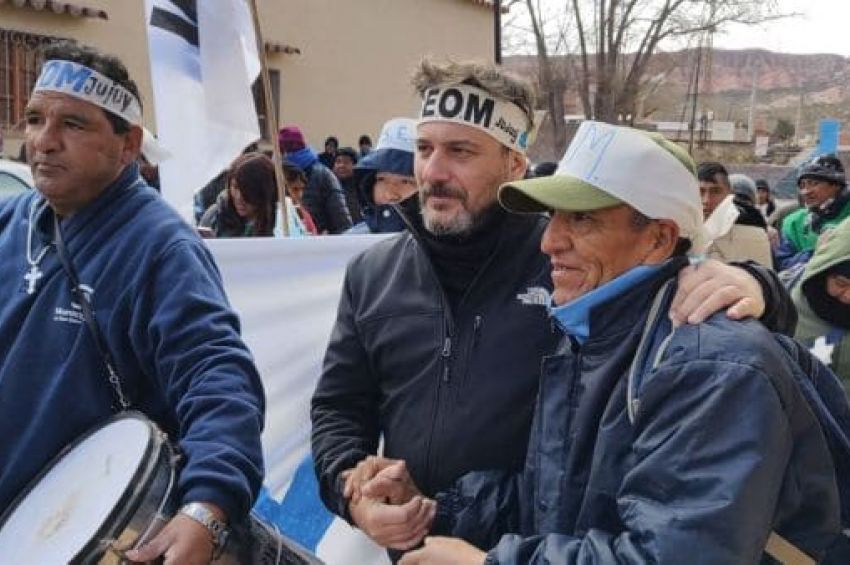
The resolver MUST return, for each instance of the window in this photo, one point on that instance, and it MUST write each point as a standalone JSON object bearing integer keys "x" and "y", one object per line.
{"x": 20, "y": 61}
{"x": 260, "y": 100}
{"x": 11, "y": 185}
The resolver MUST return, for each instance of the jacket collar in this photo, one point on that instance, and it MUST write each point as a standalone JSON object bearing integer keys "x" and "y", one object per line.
{"x": 127, "y": 180}
{"x": 616, "y": 306}
{"x": 722, "y": 219}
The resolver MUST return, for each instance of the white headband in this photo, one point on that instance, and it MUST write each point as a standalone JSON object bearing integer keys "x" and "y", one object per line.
{"x": 472, "y": 106}
{"x": 87, "y": 84}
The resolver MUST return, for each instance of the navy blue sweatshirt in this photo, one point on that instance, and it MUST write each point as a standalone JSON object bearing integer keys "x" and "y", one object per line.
{"x": 159, "y": 301}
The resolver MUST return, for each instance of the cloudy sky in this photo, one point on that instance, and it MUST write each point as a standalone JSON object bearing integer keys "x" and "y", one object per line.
{"x": 823, "y": 27}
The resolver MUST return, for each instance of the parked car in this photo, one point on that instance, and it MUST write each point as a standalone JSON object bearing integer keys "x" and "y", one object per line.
{"x": 15, "y": 178}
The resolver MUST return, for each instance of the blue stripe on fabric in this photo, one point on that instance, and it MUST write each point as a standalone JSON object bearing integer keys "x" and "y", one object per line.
{"x": 301, "y": 515}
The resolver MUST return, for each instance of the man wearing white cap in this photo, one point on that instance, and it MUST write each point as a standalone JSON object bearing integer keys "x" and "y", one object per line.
{"x": 441, "y": 329}
{"x": 111, "y": 302}
{"x": 651, "y": 444}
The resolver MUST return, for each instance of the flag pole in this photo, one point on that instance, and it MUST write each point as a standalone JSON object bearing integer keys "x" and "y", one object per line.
{"x": 271, "y": 120}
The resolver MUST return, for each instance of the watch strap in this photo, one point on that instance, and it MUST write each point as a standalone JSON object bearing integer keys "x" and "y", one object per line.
{"x": 218, "y": 529}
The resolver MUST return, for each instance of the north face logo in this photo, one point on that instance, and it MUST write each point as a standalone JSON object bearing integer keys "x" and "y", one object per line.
{"x": 534, "y": 296}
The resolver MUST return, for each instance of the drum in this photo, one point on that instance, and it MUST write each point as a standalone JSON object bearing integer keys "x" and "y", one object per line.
{"x": 107, "y": 492}
{"x": 112, "y": 490}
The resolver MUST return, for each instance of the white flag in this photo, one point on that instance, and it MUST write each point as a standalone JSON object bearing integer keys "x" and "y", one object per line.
{"x": 287, "y": 317}
{"x": 204, "y": 59}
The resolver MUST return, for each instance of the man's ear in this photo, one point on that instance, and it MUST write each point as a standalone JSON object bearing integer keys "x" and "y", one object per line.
{"x": 517, "y": 165}
{"x": 665, "y": 238}
{"x": 132, "y": 145}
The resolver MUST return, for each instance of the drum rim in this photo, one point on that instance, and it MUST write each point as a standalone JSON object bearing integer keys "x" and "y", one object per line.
{"x": 131, "y": 506}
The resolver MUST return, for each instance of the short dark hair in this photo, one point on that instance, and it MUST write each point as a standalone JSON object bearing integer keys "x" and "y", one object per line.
{"x": 293, "y": 173}
{"x": 106, "y": 65}
{"x": 332, "y": 139}
{"x": 347, "y": 152}
{"x": 364, "y": 139}
{"x": 712, "y": 171}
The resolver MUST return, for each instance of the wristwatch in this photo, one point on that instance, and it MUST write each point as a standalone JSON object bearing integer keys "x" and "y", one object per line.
{"x": 204, "y": 516}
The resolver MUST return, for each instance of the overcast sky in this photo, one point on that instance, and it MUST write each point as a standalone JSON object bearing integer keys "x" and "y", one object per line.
{"x": 824, "y": 27}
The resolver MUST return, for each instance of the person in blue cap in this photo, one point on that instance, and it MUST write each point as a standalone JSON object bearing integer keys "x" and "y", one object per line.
{"x": 385, "y": 178}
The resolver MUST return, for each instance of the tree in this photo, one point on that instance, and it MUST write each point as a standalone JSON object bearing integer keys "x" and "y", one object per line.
{"x": 616, "y": 40}
{"x": 550, "y": 44}
{"x": 784, "y": 130}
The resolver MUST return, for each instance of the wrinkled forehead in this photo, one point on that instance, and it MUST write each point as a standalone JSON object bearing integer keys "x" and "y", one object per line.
{"x": 47, "y": 102}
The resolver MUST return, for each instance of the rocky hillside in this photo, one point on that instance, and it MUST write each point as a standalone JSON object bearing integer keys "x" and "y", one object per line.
{"x": 781, "y": 79}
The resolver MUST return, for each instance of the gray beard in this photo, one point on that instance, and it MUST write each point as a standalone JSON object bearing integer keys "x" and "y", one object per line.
{"x": 463, "y": 224}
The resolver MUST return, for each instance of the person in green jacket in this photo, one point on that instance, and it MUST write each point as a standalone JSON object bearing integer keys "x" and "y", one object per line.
{"x": 822, "y": 298}
{"x": 826, "y": 202}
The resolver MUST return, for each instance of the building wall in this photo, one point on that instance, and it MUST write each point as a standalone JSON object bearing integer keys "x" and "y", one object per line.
{"x": 357, "y": 57}
{"x": 353, "y": 70}
{"x": 122, "y": 35}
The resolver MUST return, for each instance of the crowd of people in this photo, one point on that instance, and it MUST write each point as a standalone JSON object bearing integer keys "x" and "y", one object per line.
{"x": 592, "y": 363}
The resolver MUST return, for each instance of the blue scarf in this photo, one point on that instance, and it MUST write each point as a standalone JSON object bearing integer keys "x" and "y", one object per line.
{"x": 303, "y": 158}
{"x": 574, "y": 316}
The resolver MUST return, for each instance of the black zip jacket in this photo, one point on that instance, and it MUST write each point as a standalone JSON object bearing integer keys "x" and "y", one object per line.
{"x": 450, "y": 392}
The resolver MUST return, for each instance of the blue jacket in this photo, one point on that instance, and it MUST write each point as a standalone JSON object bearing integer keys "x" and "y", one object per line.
{"x": 721, "y": 449}
{"x": 159, "y": 301}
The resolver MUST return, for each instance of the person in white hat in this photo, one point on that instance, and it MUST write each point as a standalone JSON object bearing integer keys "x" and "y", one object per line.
{"x": 651, "y": 444}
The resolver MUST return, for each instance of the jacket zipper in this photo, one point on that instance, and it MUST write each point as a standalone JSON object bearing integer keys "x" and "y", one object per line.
{"x": 448, "y": 321}
{"x": 476, "y": 330}
{"x": 446, "y": 355}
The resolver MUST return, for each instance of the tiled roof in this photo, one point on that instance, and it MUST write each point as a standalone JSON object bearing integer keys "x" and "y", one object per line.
{"x": 489, "y": 4}
{"x": 69, "y": 8}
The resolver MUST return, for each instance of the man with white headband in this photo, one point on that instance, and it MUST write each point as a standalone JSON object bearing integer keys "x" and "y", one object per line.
{"x": 158, "y": 303}
{"x": 441, "y": 329}
{"x": 651, "y": 444}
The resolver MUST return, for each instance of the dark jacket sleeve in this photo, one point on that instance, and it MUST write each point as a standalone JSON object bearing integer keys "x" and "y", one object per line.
{"x": 699, "y": 473}
{"x": 481, "y": 506}
{"x": 339, "y": 218}
{"x": 344, "y": 408}
{"x": 780, "y": 315}
{"x": 325, "y": 200}
{"x": 186, "y": 335}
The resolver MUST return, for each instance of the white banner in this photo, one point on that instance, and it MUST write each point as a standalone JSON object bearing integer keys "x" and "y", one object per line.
{"x": 286, "y": 292}
{"x": 204, "y": 59}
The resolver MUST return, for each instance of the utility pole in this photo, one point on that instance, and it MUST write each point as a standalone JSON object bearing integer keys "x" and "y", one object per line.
{"x": 751, "y": 116}
{"x": 696, "y": 97}
{"x": 799, "y": 114}
{"x": 497, "y": 31}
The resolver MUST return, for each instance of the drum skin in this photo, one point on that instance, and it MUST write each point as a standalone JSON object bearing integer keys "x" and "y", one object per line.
{"x": 146, "y": 502}
{"x": 138, "y": 512}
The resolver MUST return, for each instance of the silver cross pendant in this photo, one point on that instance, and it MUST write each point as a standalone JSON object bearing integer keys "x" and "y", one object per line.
{"x": 32, "y": 277}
